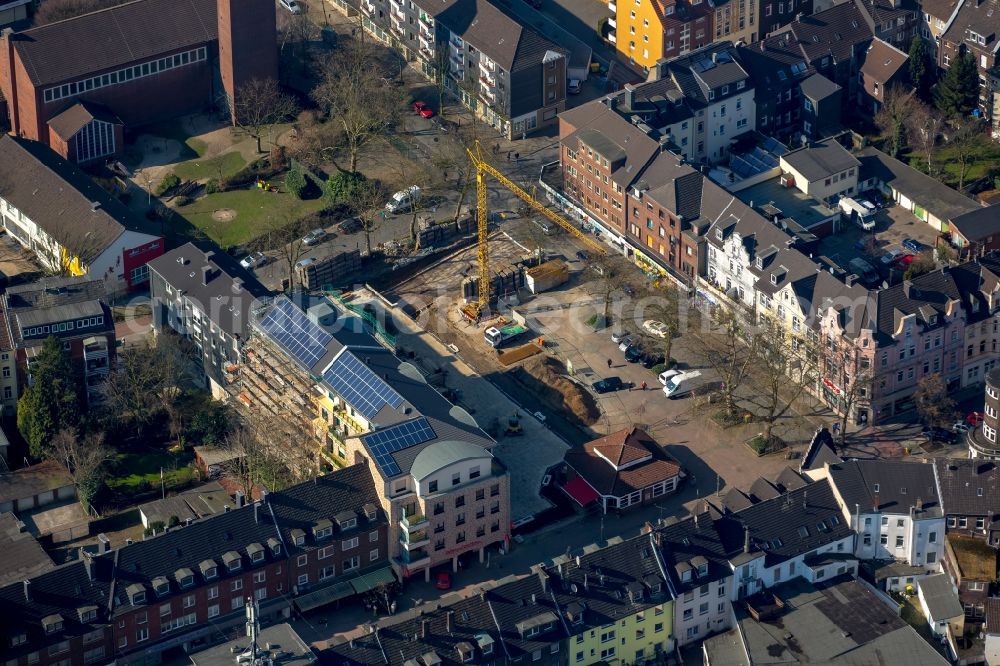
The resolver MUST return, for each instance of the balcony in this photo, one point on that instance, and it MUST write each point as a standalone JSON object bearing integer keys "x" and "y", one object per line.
{"x": 397, "y": 28}
{"x": 489, "y": 94}
{"x": 414, "y": 558}
{"x": 980, "y": 447}
{"x": 612, "y": 38}
{"x": 426, "y": 20}
{"x": 487, "y": 78}
{"x": 612, "y": 23}
{"x": 413, "y": 540}
{"x": 413, "y": 522}
{"x": 612, "y": 7}
{"x": 457, "y": 63}
{"x": 369, "y": 8}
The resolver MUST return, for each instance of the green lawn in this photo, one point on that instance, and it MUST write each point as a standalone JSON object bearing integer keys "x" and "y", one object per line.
{"x": 129, "y": 471}
{"x": 254, "y": 211}
{"x": 987, "y": 158}
{"x": 228, "y": 163}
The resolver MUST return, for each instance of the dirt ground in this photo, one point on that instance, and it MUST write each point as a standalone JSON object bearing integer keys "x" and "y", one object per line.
{"x": 548, "y": 382}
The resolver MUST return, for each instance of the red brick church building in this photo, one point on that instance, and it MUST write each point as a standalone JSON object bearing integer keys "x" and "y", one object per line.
{"x": 78, "y": 85}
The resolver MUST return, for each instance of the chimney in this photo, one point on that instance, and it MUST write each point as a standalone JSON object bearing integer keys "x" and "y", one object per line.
{"x": 877, "y": 503}
{"x": 27, "y": 590}
{"x": 425, "y": 628}
{"x": 237, "y": 285}
{"x": 263, "y": 494}
{"x": 850, "y": 279}
{"x": 103, "y": 543}
{"x": 647, "y": 527}
{"x": 94, "y": 205}
{"x": 696, "y": 519}
{"x": 88, "y": 563}
{"x": 256, "y": 517}
{"x": 662, "y": 70}
{"x": 447, "y": 620}
{"x": 920, "y": 504}
{"x": 239, "y": 499}
{"x": 613, "y": 102}
{"x": 206, "y": 274}
{"x": 629, "y": 96}
{"x": 746, "y": 539}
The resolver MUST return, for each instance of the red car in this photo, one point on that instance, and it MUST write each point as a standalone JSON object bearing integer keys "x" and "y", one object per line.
{"x": 974, "y": 418}
{"x": 904, "y": 260}
{"x": 423, "y": 109}
{"x": 443, "y": 581}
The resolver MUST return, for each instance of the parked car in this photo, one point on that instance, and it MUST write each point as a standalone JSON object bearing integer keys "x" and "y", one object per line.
{"x": 350, "y": 225}
{"x": 403, "y": 199}
{"x": 665, "y": 376}
{"x": 254, "y": 260}
{"x": 625, "y": 343}
{"x": 867, "y": 204}
{"x": 618, "y": 336}
{"x": 303, "y": 263}
{"x": 974, "y": 419}
{"x": 582, "y": 256}
{"x": 890, "y": 256}
{"x": 608, "y": 384}
{"x": 652, "y": 359}
{"x": 291, "y": 5}
{"x": 423, "y": 110}
{"x": 314, "y": 237}
{"x": 655, "y": 327}
{"x": 574, "y": 87}
{"x": 904, "y": 260}
{"x": 443, "y": 581}
{"x": 940, "y": 435}
{"x": 960, "y": 426}
{"x": 914, "y": 246}
{"x": 634, "y": 354}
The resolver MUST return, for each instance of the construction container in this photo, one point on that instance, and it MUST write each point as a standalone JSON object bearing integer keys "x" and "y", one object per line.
{"x": 546, "y": 276}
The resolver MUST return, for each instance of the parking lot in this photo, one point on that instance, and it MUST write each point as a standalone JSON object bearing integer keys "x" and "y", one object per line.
{"x": 893, "y": 225}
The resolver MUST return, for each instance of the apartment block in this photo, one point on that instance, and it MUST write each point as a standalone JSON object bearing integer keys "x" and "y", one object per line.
{"x": 970, "y": 495}
{"x": 648, "y": 30}
{"x": 206, "y": 297}
{"x": 343, "y": 398}
{"x": 507, "y": 73}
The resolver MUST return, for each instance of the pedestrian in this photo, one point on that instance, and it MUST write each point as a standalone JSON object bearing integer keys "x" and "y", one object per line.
{"x": 508, "y": 156}
{"x": 517, "y": 156}
{"x": 609, "y": 364}
{"x": 644, "y": 386}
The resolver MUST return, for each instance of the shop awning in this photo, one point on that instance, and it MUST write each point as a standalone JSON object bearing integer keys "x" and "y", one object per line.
{"x": 373, "y": 579}
{"x": 581, "y": 491}
{"x": 327, "y": 595}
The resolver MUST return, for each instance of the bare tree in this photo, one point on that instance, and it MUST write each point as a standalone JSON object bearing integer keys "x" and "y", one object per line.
{"x": 856, "y": 391}
{"x": 891, "y": 117}
{"x": 355, "y": 98}
{"x": 267, "y": 452}
{"x": 785, "y": 367}
{"x": 295, "y": 31}
{"x": 931, "y": 400}
{"x": 366, "y": 200}
{"x": 966, "y": 142}
{"x": 259, "y": 105}
{"x": 924, "y": 124}
{"x": 611, "y": 273}
{"x": 726, "y": 346}
{"x": 285, "y": 238}
{"x": 50, "y": 11}
{"x": 665, "y": 306}
{"x": 84, "y": 457}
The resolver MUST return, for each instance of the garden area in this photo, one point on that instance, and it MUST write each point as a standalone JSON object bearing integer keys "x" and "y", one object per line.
{"x": 136, "y": 473}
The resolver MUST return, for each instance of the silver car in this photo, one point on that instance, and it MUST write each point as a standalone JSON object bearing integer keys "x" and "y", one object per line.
{"x": 314, "y": 237}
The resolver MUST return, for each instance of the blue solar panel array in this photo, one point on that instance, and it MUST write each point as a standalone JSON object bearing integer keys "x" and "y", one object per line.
{"x": 293, "y": 330}
{"x": 384, "y": 443}
{"x": 359, "y": 386}
{"x": 752, "y": 163}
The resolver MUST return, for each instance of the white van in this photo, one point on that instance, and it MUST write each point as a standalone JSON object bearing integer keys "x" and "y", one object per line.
{"x": 403, "y": 199}
{"x": 861, "y": 215}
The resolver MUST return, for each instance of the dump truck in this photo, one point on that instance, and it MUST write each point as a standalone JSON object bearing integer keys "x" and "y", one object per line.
{"x": 546, "y": 276}
{"x": 504, "y": 332}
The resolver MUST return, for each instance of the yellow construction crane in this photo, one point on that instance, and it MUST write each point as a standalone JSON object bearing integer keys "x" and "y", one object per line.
{"x": 484, "y": 169}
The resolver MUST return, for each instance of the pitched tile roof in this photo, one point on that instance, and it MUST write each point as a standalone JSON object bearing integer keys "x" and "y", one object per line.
{"x": 682, "y": 543}
{"x": 61, "y": 591}
{"x": 883, "y": 61}
{"x": 617, "y": 134}
{"x": 109, "y": 38}
{"x": 981, "y": 17}
{"x": 888, "y": 486}
{"x": 820, "y": 160}
{"x": 993, "y": 615}
{"x": 23, "y": 556}
{"x": 976, "y": 225}
{"x": 820, "y": 451}
{"x": 76, "y": 117}
{"x": 623, "y": 462}
{"x": 232, "y": 292}
{"x": 62, "y": 200}
{"x": 303, "y": 506}
{"x": 929, "y": 193}
{"x": 969, "y": 487}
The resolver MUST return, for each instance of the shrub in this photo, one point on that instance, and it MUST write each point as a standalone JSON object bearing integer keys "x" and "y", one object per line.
{"x": 182, "y": 200}
{"x": 341, "y": 186}
{"x": 169, "y": 182}
{"x": 174, "y": 521}
{"x": 295, "y": 182}
{"x": 212, "y": 186}
{"x": 659, "y": 368}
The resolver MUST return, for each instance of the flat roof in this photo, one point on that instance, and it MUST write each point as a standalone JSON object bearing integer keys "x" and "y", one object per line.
{"x": 805, "y": 210}
{"x": 284, "y": 641}
{"x": 34, "y": 480}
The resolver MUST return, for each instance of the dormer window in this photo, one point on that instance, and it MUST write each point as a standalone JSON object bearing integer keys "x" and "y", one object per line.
{"x": 233, "y": 561}
{"x": 718, "y": 234}
{"x": 759, "y": 262}
{"x": 138, "y": 598}
{"x": 87, "y": 614}
{"x": 323, "y": 529}
{"x": 932, "y": 320}
{"x": 298, "y": 537}
{"x": 161, "y": 586}
{"x": 686, "y": 575}
{"x": 184, "y": 577}
{"x": 774, "y": 278}
{"x": 52, "y": 623}
{"x": 275, "y": 546}
{"x": 18, "y": 639}
{"x": 702, "y": 570}
{"x": 485, "y": 643}
{"x": 346, "y": 520}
